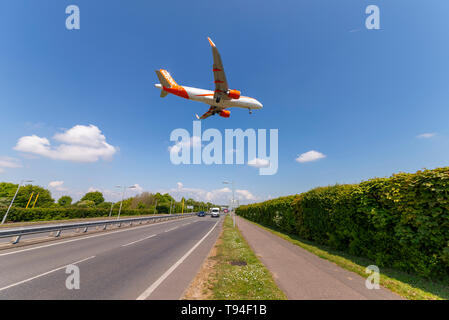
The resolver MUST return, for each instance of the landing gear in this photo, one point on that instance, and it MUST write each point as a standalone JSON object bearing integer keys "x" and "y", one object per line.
{"x": 250, "y": 111}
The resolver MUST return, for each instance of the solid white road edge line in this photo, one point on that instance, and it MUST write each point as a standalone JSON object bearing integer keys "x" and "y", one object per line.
{"x": 44, "y": 274}
{"x": 128, "y": 244}
{"x": 156, "y": 284}
{"x": 83, "y": 238}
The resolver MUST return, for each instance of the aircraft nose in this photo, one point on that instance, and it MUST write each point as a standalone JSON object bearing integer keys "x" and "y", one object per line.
{"x": 260, "y": 105}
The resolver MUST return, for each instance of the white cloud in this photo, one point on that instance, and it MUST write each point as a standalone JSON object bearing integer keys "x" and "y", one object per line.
{"x": 115, "y": 194}
{"x": 245, "y": 194}
{"x": 310, "y": 156}
{"x": 426, "y": 135}
{"x": 57, "y": 185}
{"x": 78, "y": 144}
{"x": 259, "y": 163}
{"x": 10, "y": 163}
{"x": 92, "y": 189}
{"x": 137, "y": 188}
{"x": 217, "y": 196}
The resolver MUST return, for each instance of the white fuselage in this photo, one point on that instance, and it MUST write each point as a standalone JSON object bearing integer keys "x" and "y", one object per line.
{"x": 207, "y": 97}
{"x": 243, "y": 102}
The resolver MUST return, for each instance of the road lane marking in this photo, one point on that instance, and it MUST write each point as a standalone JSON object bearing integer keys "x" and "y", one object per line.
{"x": 128, "y": 244}
{"x": 44, "y": 274}
{"x": 156, "y": 284}
{"x": 171, "y": 229}
{"x": 83, "y": 238}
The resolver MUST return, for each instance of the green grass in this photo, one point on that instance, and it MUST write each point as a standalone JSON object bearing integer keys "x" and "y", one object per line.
{"x": 250, "y": 282}
{"x": 406, "y": 285}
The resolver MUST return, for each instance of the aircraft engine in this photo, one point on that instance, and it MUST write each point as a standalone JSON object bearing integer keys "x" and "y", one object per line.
{"x": 225, "y": 113}
{"x": 234, "y": 94}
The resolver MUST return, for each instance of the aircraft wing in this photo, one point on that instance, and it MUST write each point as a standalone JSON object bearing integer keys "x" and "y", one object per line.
{"x": 209, "y": 113}
{"x": 221, "y": 84}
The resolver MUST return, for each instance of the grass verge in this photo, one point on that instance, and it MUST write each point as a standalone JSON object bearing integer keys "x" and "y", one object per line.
{"x": 406, "y": 285}
{"x": 241, "y": 282}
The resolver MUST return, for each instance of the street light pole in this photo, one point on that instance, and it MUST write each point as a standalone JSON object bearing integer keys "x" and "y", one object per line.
{"x": 110, "y": 212}
{"x": 233, "y": 198}
{"x": 10, "y": 205}
{"x": 121, "y": 202}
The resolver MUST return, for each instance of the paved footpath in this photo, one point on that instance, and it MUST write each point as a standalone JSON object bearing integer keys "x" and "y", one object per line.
{"x": 303, "y": 275}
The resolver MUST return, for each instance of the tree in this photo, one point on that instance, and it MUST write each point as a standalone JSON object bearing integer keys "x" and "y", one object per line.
{"x": 86, "y": 204}
{"x": 7, "y": 191}
{"x": 141, "y": 205}
{"x": 142, "y": 201}
{"x": 65, "y": 201}
{"x": 105, "y": 205}
{"x": 95, "y": 196}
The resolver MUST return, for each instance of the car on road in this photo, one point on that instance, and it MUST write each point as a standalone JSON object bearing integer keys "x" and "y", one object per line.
{"x": 215, "y": 212}
{"x": 201, "y": 214}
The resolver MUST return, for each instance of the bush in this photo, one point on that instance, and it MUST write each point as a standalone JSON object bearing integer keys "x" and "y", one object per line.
{"x": 401, "y": 221}
{"x": 44, "y": 214}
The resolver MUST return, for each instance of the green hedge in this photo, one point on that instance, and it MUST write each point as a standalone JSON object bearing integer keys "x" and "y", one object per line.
{"x": 400, "y": 222}
{"x": 43, "y": 214}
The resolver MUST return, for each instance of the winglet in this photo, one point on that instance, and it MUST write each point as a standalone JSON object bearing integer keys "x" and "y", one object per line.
{"x": 211, "y": 42}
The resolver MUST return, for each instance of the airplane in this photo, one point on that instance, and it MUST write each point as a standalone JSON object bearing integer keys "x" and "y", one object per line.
{"x": 219, "y": 100}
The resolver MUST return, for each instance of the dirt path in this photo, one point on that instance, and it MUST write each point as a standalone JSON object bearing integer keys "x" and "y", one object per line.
{"x": 302, "y": 275}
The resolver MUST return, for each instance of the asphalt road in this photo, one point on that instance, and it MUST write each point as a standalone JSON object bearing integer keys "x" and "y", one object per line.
{"x": 156, "y": 261}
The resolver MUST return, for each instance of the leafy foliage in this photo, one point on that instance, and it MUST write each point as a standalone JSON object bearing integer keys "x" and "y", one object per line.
{"x": 400, "y": 222}
{"x": 75, "y": 212}
{"x": 95, "y": 196}
{"x": 86, "y": 204}
{"x": 65, "y": 201}
{"x": 7, "y": 191}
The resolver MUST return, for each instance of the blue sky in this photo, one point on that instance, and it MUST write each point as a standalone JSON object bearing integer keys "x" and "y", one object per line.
{"x": 360, "y": 97}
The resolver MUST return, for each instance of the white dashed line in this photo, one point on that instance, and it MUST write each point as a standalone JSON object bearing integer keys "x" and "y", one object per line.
{"x": 44, "y": 274}
{"x": 171, "y": 229}
{"x": 128, "y": 244}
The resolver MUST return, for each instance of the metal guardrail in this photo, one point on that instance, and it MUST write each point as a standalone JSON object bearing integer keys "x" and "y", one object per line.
{"x": 17, "y": 233}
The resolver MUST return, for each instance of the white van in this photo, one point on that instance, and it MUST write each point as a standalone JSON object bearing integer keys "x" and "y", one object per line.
{"x": 215, "y": 212}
